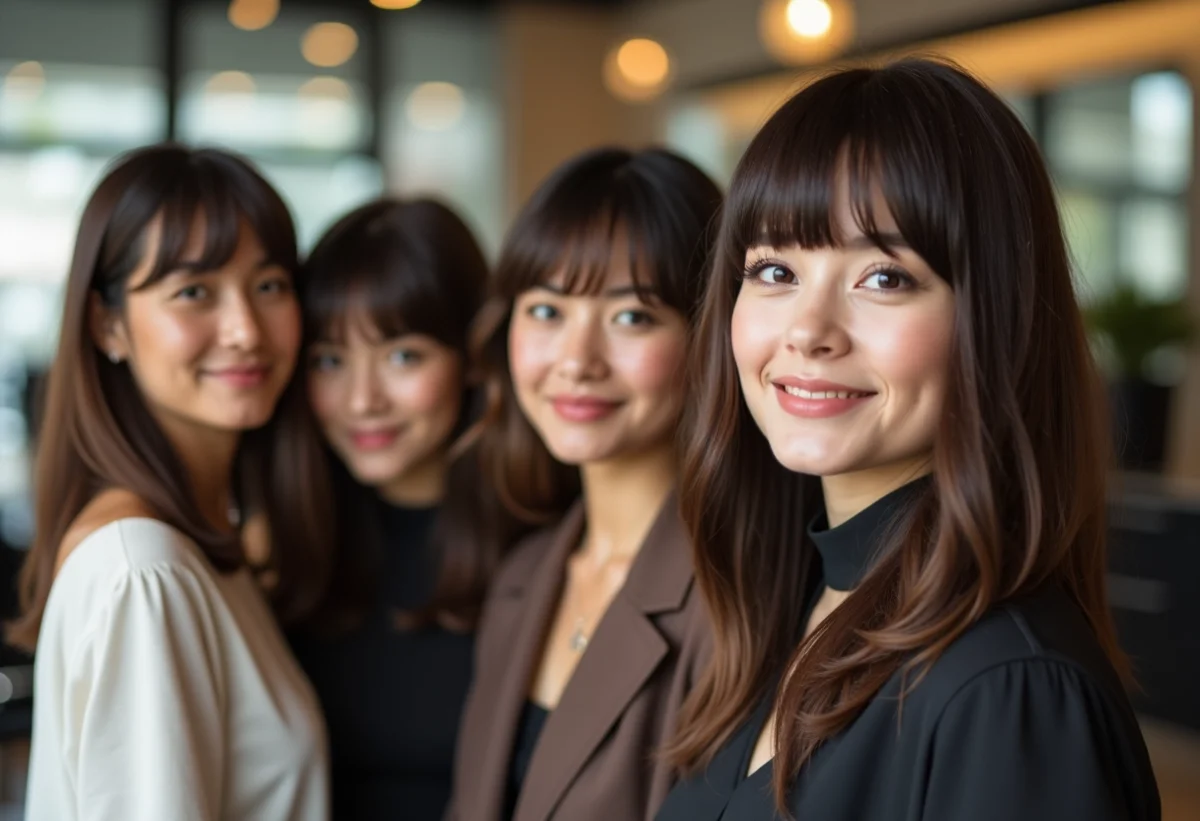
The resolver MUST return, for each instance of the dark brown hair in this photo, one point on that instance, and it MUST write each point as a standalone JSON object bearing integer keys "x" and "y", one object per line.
{"x": 97, "y": 432}
{"x": 413, "y": 267}
{"x": 1018, "y": 491}
{"x": 665, "y": 207}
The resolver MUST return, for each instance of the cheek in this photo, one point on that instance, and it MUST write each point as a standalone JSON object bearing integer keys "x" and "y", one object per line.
{"x": 282, "y": 325}
{"x": 325, "y": 394}
{"x": 432, "y": 391}
{"x": 911, "y": 353}
{"x": 753, "y": 336}
{"x": 530, "y": 355}
{"x": 165, "y": 338}
{"x": 653, "y": 365}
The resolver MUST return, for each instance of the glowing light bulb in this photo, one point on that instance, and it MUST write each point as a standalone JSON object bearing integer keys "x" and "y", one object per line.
{"x": 809, "y": 18}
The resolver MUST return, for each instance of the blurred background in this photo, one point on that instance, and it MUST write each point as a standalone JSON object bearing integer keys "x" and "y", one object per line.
{"x": 475, "y": 100}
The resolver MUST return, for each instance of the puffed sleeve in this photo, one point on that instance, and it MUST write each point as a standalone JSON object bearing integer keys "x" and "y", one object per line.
{"x": 145, "y": 721}
{"x": 1038, "y": 740}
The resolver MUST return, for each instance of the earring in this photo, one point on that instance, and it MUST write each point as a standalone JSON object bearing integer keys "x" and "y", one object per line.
{"x": 114, "y": 357}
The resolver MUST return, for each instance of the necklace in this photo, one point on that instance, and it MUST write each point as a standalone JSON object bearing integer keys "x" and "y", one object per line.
{"x": 578, "y": 641}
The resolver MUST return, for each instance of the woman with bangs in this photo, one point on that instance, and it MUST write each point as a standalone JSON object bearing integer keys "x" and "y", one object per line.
{"x": 899, "y": 521}
{"x": 164, "y": 686}
{"x": 592, "y": 634}
{"x": 389, "y": 295}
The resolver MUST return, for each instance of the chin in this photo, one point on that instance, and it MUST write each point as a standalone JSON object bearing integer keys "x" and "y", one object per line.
{"x": 810, "y": 459}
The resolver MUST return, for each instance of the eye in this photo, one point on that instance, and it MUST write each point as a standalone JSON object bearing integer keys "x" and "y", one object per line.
{"x": 275, "y": 285}
{"x": 192, "y": 292}
{"x": 405, "y": 357}
{"x": 542, "y": 312}
{"x": 888, "y": 279}
{"x": 324, "y": 361}
{"x": 634, "y": 318}
{"x": 770, "y": 273}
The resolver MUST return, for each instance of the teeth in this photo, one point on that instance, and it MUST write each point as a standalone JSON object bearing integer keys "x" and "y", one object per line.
{"x": 803, "y": 394}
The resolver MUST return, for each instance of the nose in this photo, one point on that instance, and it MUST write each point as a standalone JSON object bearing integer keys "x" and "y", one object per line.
{"x": 581, "y": 353}
{"x": 816, "y": 330}
{"x": 366, "y": 392}
{"x": 240, "y": 325}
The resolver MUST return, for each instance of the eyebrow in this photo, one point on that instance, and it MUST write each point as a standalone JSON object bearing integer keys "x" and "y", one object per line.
{"x": 193, "y": 266}
{"x": 612, "y": 293}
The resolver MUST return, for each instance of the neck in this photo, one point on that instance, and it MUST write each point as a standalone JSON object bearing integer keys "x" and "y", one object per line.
{"x": 422, "y": 485}
{"x": 207, "y": 456}
{"x": 622, "y": 498}
{"x": 848, "y": 494}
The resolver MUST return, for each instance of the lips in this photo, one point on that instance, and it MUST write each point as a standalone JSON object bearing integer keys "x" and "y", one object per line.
{"x": 583, "y": 408}
{"x": 242, "y": 376}
{"x": 817, "y": 398}
{"x": 369, "y": 440}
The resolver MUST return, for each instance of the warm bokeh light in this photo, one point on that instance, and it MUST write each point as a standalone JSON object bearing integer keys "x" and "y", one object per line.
{"x": 806, "y": 32}
{"x": 395, "y": 5}
{"x": 809, "y": 18}
{"x": 435, "y": 106}
{"x": 252, "y": 15}
{"x": 25, "y": 81}
{"x": 637, "y": 70}
{"x": 325, "y": 88}
{"x": 329, "y": 44}
{"x": 230, "y": 82}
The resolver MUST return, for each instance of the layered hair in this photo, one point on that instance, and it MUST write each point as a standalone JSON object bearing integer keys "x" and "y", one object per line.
{"x": 663, "y": 207}
{"x": 1017, "y": 497}
{"x": 411, "y": 267}
{"x": 97, "y": 432}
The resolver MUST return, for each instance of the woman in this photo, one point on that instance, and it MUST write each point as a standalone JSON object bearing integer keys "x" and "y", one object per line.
{"x": 893, "y": 294}
{"x": 592, "y": 634}
{"x": 164, "y": 687}
{"x": 389, "y": 295}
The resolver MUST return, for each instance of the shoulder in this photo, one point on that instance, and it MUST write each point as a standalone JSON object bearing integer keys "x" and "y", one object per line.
{"x": 1037, "y": 647}
{"x": 119, "y": 522}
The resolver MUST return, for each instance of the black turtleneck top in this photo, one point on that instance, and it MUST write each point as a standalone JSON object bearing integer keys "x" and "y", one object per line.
{"x": 1021, "y": 719}
{"x": 392, "y": 698}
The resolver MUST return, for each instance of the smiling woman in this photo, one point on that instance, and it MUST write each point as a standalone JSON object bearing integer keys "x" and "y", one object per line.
{"x": 164, "y": 687}
{"x": 591, "y": 635}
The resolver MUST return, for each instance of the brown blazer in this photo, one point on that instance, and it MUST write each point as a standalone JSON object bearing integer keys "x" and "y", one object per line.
{"x": 596, "y": 757}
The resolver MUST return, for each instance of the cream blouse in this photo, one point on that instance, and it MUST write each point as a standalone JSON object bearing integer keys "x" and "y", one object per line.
{"x": 164, "y": 691}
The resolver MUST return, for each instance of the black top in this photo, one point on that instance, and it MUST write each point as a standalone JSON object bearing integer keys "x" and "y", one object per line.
{"x": 529, "y": 728}
{"x": 1021, "y": 719}
{"x": 392, "y": 698}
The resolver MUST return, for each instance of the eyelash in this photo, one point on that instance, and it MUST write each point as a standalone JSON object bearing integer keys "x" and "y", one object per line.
{"x": 754, "y": 269}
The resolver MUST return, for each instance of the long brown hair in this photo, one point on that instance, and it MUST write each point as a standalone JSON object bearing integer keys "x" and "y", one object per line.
{"x": 414, "y": 267}
{"x": 665, "y": 206}
{"x": 1018, "y": 490}
{"x": 97, "y": 432}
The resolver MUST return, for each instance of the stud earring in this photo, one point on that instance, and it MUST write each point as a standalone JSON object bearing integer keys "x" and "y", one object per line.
{"x": 114, "y": 357}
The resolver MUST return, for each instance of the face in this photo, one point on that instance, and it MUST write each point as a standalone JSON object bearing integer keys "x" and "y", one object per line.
{"x": 842, "y": 352}
{"x": 209, "y": 349}
{"x": 387, "y": 406}
{"x": 599, "y": 377}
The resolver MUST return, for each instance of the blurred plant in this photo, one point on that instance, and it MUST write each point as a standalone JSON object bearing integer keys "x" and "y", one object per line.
{"x": 1135, "y": 327}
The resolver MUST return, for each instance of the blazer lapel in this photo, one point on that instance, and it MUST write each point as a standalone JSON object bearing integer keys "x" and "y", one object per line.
{"x": 526, "y": 610}
{"x": 622, "y": 654}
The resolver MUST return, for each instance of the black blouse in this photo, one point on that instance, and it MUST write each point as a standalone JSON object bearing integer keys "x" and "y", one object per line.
{"x": 1022, "y": 719}
{"x": 392, "y": 698}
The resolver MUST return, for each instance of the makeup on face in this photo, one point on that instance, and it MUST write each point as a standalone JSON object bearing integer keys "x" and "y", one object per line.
{"x": 842, "y": 351}
{"x": 597, "y": 375}
{"x": 387, "y": 406}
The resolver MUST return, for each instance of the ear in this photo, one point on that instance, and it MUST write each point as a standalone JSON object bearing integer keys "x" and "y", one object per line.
{"x": 107, "y": 328}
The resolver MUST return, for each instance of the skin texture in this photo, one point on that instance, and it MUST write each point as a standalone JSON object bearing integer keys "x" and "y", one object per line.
{"x": 388, "y": 408}
{"x": 880, "y": 327}
{"x": 625, "y": 359}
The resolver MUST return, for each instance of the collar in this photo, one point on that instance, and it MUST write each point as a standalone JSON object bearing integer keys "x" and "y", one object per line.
{"x": 850, "y": 550}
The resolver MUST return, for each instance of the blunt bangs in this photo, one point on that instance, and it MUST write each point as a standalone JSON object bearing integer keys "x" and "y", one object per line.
{"x": 660, "y": 206}
{"x": 184, "y": 189}
{"x": 890, "y": 132}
